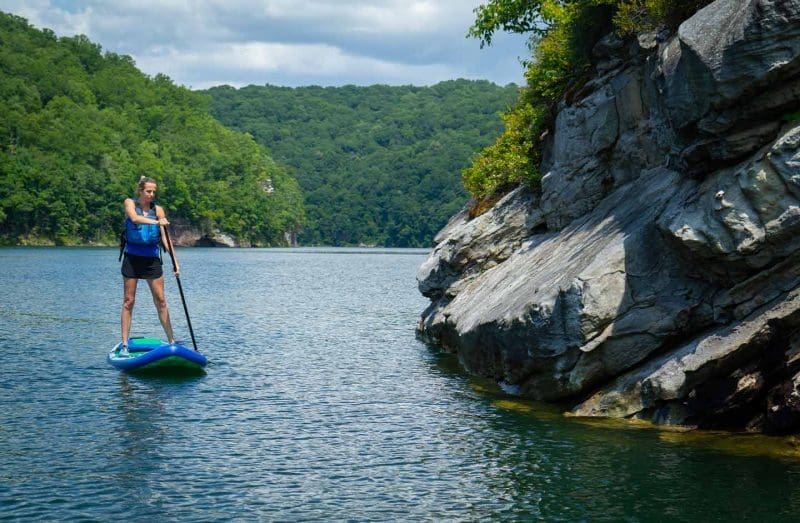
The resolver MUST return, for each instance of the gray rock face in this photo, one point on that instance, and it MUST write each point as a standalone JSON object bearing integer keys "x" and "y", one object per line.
{"x": 746, "y": 220}
{"x": 185, "y": 234}
{"x": 663, "y": 388}
{"x": 729, "y": 50}
{"x": 655, "y": 276}
{"x": 718, "y": 79}
{"x": 601, "y": 141}
{"x": 467, "y": 246}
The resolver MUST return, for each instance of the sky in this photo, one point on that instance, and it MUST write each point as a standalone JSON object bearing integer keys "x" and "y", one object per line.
{"x": 203, "y": 43}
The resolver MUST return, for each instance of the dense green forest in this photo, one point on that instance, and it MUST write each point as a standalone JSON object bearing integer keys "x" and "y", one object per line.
{"x": 78, "y": 127}
{"x": 378, "y": 165}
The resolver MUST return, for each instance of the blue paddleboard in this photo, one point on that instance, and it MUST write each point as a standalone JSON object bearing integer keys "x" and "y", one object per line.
{"x": 154, "y": 355}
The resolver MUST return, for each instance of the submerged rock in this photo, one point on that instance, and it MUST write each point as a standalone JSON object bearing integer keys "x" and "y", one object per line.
{"x": 656, "y": 275}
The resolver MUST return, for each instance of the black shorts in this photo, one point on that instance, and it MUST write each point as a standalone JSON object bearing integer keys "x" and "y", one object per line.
{"x": 141, "y": 267}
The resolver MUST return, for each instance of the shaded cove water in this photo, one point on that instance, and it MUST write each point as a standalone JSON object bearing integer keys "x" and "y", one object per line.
{"x": 318, "y": 404}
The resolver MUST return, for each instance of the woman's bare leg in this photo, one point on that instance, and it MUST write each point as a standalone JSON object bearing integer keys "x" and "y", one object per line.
{"x": 160, "y": 300}
{"x": 128, "y": 300}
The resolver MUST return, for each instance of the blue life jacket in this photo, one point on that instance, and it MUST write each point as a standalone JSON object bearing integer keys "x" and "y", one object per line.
{"x": 142, "y": 239}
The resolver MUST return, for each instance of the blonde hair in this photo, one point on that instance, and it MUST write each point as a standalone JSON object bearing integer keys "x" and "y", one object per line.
{"x": 144, "y": 180}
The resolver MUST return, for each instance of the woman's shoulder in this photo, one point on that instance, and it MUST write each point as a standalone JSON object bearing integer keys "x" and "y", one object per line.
{"x": 160, "y": 211}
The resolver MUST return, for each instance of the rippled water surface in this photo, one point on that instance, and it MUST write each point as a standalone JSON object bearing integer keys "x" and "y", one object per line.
{"x": 318, "y": 404}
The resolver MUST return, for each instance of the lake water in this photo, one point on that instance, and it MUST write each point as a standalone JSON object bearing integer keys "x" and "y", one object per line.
{"x": 318, "y": 404}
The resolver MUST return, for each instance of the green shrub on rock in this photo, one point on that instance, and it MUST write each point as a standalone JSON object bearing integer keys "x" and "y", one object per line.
{"x": 511, "y": 158}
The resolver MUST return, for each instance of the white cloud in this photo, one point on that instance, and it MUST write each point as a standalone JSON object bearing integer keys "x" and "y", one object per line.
{"x": 286, "y": 42}
{"x": 264, "y": 61}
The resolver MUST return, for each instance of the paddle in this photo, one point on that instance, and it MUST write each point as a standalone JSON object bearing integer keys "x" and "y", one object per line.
{"x": 180, "y": 288}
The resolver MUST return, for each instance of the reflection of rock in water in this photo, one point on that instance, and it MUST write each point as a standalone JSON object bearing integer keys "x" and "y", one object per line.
{"x": 656, "y": 274}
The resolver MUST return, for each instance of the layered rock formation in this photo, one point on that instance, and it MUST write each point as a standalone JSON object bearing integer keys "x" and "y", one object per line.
{"x": 656, "y": 274}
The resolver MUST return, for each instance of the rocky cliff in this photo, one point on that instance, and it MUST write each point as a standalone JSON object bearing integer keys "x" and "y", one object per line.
{"x": 656, "y": 274}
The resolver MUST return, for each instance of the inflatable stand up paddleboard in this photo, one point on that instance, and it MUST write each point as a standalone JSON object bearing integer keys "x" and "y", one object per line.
{"x": 151, "y": 355}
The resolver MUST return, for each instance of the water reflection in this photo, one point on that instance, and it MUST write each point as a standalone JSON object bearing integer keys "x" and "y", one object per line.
{"x": 146, "y": 431}
{"x": 537, "y": 463}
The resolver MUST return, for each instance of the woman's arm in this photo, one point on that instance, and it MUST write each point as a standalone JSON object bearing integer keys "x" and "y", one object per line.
{"x": 130, "y": 213}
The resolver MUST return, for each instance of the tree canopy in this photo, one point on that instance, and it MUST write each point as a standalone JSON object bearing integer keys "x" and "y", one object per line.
{"x": 79, "y": 127}
{"x": 378, "y": 165}
{"x": 513, "y": 16}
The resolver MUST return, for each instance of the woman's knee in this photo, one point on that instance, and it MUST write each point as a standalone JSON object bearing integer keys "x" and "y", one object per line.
{"x": 160, "y": 301}
{"x": 128, "y": 302}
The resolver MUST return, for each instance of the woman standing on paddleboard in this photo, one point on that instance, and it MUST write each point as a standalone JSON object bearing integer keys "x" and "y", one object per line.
{"x": 143, "y": 222}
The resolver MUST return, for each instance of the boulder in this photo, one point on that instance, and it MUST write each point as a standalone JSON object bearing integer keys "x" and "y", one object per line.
{"x": 728, "y": 51}
{"x": 740, "y": 219}
{"x": 661, "y": 389}
{"x": 468, "y": 245}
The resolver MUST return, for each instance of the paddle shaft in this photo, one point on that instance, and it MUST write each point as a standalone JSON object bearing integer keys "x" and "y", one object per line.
{"x": 180, "y": 287}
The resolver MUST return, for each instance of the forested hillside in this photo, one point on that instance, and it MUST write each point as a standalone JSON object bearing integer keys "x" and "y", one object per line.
{"x": 378, "y": 165}
{"x": 78, "y": 127}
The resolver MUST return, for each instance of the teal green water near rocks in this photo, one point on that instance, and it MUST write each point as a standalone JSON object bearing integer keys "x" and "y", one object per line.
{"x": 318, "y": 404}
